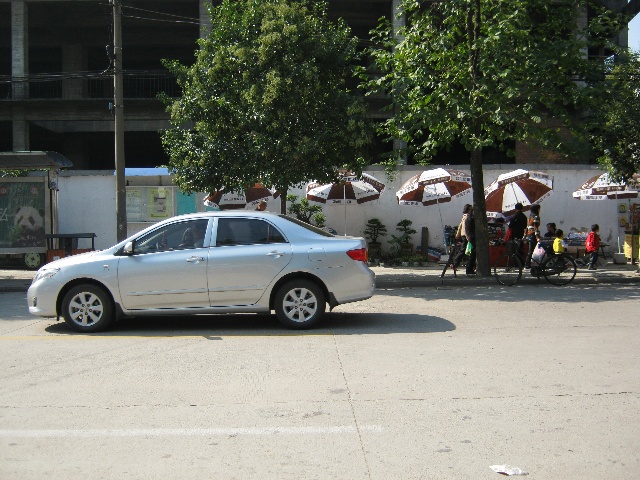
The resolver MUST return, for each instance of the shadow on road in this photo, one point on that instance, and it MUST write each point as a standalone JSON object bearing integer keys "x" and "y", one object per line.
{"x": 212, "y": 326}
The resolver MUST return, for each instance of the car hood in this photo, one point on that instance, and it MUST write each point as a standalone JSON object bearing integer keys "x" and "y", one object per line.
{"x": 74, "y": 259}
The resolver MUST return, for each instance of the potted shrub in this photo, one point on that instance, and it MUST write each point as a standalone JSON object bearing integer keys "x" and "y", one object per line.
{"x": 374, "y": 229}
{"x": 402, "y": 243}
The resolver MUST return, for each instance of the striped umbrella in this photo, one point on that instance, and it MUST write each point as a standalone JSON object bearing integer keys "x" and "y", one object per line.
{"x": 350, "y": 189}
{"x": 601, "y": 187}
{"x": 251, "y": 195}
{"x": 518, "y": 186}
{"x": 434, "y": 186}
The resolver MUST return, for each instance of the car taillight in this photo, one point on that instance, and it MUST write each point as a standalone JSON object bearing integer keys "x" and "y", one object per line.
{"x": 359, "y": 254}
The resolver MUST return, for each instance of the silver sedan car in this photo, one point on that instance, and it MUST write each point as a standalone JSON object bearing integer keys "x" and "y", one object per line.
{"x": 213, "y": 262}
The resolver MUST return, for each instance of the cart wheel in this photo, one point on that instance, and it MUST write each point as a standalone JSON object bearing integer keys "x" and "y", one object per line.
{"x": 33, "y": 261}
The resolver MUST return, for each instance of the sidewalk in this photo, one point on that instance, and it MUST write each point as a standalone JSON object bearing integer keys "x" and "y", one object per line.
{"x": 16, "y": 280}
{"x": 429, "y": 276}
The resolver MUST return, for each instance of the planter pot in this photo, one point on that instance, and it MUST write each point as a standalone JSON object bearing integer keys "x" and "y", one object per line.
{"x": 405, "y": 264}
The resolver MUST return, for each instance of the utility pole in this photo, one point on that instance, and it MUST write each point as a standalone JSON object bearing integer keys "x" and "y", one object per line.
{"x": 118, "y": 108}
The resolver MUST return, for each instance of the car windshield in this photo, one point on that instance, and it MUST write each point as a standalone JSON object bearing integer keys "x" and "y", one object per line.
{"x": 312, "y": 228}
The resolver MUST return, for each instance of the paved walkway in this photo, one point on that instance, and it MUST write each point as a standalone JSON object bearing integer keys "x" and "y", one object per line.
{"x": 17, "y": 280}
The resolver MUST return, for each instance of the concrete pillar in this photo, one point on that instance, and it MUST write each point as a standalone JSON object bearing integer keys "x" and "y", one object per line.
{"x": 398, "y": 21}
{"x": 19, "y": 49}
{"x": 72, "y": 61}
{"x": 205, "y": 20}
{"x": 20, "y": 130}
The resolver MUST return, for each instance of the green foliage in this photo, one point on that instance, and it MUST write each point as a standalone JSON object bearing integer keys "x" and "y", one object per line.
{"x": 13, "y": 173}
{"x": 374, "y": 229}
{"x": 405, "y": 229}
{"x": 267, "y": 99}
{"x": 614, "y": 112}
{"x": 304, "y": 211}
{"x": 483, "y": 73}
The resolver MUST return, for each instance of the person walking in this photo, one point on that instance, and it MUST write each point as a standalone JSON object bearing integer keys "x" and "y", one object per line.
{"x": 466, "y": 234}
{"x": 592, "y": 245}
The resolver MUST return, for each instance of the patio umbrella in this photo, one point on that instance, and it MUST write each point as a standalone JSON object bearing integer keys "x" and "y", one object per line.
{"x": 251, "y": 195}
{"x": 434, "y": 186}
{"x": 602, "y": 187}
{"x": 518, "y": 186}
{"x": 351, "y": 188}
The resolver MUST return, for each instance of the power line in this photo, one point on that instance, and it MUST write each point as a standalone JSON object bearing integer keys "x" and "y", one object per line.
{"x": 160, "y": 13}
{"x": 161, "y": 20}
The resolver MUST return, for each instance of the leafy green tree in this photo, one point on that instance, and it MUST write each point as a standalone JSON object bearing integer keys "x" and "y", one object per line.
{"x": 303, "y": 210}
{"x": 483, "y": 73}
{"x": 267, "y": 100}
{"x": 614, "y": 113}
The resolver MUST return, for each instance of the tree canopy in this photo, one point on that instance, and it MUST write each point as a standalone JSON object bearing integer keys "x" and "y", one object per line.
{"x": 614, "y": 111}
{"x": 267, "y": 99}
{"x": 482, "y": 73}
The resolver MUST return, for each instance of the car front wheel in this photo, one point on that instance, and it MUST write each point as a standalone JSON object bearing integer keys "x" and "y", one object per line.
{"x": 87, "y": 308}
{"x": 299, "y": 304}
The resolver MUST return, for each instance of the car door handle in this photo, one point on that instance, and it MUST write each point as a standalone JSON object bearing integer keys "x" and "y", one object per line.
{"x": 275, "y": 254}
{"x": 195, "y": 259}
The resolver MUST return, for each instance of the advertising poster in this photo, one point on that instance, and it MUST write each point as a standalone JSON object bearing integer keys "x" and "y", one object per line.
{"x": 160, "y": 205}
{"x": 22, "y": 214}
{"x": 134, "y": 205}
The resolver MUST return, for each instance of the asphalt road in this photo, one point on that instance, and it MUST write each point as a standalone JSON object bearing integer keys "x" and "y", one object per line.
{"x": 411, "y": 384}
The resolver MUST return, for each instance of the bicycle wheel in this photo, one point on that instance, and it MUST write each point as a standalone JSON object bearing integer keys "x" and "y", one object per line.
{"x": 508, "y": 270}
{"x": 559, "y": 269}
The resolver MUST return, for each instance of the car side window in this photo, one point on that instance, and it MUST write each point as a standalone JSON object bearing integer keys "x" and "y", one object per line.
{"x": 247, "y": 231}
{"x": 176, "y": 236}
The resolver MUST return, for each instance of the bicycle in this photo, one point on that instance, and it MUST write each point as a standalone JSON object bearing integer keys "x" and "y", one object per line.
{"x": 556, "y": 268}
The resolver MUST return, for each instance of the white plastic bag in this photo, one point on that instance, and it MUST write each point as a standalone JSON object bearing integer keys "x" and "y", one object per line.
{"x": 508, "y": 470}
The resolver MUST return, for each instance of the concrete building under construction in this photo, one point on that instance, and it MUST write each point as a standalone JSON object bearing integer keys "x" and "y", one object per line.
{"x": 56, "y": 83}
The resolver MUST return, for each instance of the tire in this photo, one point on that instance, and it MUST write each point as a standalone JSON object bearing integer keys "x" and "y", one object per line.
{"x": 87, "y": 308}
{"x": 33, "y": 261}
{"x": 508, "y": 270}
{"x": 299, "y": 304}
{"x": 559, "y": 269}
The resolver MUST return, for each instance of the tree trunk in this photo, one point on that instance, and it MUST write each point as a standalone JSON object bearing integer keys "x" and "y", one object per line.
{"x": 283, "y": 200}
{"x": 480, "y": 214}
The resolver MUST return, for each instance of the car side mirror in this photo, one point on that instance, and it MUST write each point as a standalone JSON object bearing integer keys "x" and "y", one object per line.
{"x": 128, "y": 248}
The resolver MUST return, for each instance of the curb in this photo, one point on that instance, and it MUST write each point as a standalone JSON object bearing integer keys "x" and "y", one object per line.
{"x": 382, "y": 284}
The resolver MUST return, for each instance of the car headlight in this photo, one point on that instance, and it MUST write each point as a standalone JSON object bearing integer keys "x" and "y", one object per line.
{"x": 45, "y": 273}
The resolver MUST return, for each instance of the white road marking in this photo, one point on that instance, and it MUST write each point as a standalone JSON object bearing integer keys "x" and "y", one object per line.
{"x": 188, "y": 432}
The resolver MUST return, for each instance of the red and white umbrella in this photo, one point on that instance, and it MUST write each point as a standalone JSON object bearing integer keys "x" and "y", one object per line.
{"x": 434, "y": 186}
{"x": 518, "y": 186}
{"x": 601, "y": 187}
{"x": 350, "y": 189}
{"x": 235, "y": 200}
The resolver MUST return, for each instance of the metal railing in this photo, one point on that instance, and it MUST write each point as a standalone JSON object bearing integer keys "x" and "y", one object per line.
{"x": 87, "y": 85}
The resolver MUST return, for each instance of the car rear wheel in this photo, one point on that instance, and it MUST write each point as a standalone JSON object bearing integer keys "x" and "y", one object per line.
{"x": 87, "y": 308}
{"x": 299, "y": 304}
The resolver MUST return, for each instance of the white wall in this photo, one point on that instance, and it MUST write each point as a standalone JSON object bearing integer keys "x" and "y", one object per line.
{"x": 569, "y": 214}
{"x": 86, "y": 203}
